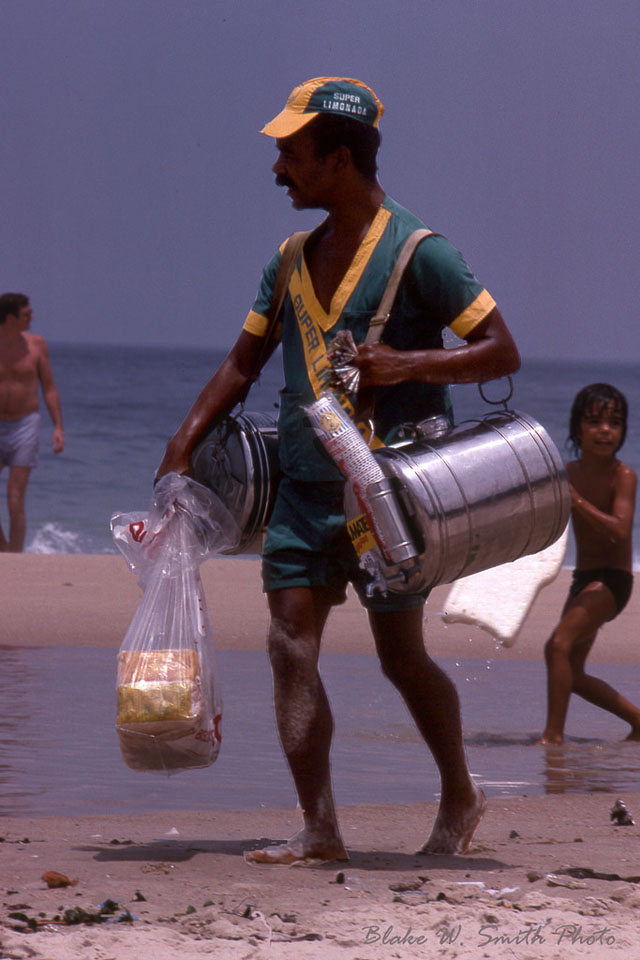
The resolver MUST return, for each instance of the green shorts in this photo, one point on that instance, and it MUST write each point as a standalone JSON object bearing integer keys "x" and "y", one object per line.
{"x": 307, "y": 545}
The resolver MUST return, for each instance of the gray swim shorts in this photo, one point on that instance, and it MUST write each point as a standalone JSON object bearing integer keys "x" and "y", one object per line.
{"x": 20, "y": 440}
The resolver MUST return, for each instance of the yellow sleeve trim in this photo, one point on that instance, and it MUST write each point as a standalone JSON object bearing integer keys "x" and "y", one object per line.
{"x": 256, "y": 324}
{"x": 474, "y": 314}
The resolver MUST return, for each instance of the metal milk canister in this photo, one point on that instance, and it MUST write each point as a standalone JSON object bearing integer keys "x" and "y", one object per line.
{"x": 486, "y": 492}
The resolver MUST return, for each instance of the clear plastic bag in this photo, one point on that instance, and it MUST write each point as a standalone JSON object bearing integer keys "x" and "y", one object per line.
{"x": 169, "y": 704}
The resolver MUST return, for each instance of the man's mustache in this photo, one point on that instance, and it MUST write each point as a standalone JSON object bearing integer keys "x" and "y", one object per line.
{"x": 282, "y": 181}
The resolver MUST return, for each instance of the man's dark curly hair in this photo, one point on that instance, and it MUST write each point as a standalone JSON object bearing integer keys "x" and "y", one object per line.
{"x": 12, "y": 303}
{"x": 331, "y": 132}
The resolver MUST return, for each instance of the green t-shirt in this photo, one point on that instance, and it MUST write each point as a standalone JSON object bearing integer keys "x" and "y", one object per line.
{"x": 436, "y": 291}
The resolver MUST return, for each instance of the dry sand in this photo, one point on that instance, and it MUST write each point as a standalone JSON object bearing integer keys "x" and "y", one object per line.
{"x": 550, "y": 877}
{"x": 88, "y": 601}
{"x": 545, "y": 877}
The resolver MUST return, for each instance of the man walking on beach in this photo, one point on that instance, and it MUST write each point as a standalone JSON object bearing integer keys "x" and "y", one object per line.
{"x": 24, "y": 363}
{"x": 327, "y": 141}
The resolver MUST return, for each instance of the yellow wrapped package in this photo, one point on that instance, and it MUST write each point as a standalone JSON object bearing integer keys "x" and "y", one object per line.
{"x": 157, "y": 685}
{"x": 163, "y": 719}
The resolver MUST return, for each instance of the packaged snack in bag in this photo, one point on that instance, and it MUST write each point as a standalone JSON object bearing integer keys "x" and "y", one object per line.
{"x": 169, "y": 705}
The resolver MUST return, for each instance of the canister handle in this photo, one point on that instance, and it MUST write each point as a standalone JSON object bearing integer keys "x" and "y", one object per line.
{"x": 504, "y": 400}
{"x": 366, "y": 429}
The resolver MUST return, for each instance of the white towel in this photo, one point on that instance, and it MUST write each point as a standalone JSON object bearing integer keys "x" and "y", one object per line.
{"x": 498, "y": 600}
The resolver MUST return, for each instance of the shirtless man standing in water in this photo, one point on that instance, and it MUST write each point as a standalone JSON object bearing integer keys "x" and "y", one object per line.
{"x": 603, "y": 492}
{"x": 24, "y": 363}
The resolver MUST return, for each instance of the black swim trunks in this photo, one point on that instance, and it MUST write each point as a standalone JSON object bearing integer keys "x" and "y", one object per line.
{"x": 618, "y": 581}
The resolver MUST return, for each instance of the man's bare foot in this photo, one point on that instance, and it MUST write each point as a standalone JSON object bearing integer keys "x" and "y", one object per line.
{"x": 301, "y": 847}
{"x": 634, "y": 735}
{"x": 549, "y": 739}
{"x": 454, "y": 828}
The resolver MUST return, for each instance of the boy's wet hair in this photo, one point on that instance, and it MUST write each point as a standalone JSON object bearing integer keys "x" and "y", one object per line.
{"x": 593, "y": 399}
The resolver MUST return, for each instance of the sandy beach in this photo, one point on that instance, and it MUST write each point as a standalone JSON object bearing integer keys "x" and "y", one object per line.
{"x": 78, "y": 600}
{"x": 548, "y": 876}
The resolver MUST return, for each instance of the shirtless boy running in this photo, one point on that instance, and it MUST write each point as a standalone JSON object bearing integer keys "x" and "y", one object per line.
{"x": 24, "y": 363}
{"x": 603, "y": 491}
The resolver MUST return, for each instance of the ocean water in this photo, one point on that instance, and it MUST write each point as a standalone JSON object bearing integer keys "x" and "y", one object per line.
{"x": 121, "y": 404}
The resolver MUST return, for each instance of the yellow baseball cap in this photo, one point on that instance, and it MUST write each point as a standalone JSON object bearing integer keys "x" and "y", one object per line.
{"x": 337, "y": 95}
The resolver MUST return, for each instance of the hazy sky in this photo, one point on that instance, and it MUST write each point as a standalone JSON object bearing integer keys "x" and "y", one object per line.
{"x": 138, "y": 199}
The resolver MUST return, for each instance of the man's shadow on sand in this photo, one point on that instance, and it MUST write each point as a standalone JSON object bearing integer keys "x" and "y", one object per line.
{"x": 180, "y": 851}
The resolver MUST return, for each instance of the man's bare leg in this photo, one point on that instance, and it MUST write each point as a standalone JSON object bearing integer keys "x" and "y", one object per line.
{"x": 16, "y": 496}
{"x": 305, "y": 724}
{"x": 581, "y": 619}
{"x": 433, "y": 702}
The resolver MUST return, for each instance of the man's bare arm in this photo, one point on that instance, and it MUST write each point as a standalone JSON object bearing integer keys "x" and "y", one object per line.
{"x": 490, "y": 352}
{"x": 50, "y": 395}
{"x": 220, "y": 395}
{"x": 618, "y": 524}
